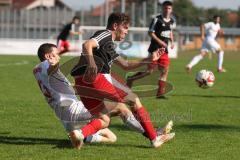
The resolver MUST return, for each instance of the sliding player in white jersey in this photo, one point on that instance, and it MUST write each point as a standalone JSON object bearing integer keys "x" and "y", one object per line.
{"x": 209, "y": 31}
{"x": 61, "y": 97}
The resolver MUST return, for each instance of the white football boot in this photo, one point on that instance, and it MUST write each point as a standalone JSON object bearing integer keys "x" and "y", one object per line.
{"x": 159, "y": 140}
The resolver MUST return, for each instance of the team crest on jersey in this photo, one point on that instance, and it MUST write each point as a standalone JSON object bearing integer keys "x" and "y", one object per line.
{"x": 166, "y": 34}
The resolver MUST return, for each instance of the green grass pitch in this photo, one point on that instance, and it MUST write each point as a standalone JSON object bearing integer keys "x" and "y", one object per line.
{"x": 207, "y": 122}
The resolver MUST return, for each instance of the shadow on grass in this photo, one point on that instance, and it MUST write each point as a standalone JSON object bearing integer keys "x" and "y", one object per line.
{"x": 206, "y": 96}
{"x": 120, "y": 127}
{"x": 209, "y": 127}
{"x": 33, "y": 141}
{"x": 120, "y": 145}
{"x": 59, "y": 143}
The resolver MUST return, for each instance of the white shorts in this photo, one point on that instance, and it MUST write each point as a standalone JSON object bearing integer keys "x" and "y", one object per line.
{"x": 74, "y": 116}
{"x": 210, "y": 44}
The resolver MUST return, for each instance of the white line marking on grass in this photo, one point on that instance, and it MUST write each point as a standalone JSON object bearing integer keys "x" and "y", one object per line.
{"x": 15, "y": 64}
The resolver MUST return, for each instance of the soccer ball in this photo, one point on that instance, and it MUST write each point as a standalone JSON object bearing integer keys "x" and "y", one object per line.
{"x": 205, "y": 79}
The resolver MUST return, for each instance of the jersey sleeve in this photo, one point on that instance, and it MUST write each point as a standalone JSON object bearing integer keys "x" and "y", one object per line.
{"x": 102, "y": 37}
{"x": 208, "y": 25}
{"x": 173, "y": 23}
{"x": 68, "y": 27}
{"x": 73, "y": 28}
{"x": 153, "y": 25}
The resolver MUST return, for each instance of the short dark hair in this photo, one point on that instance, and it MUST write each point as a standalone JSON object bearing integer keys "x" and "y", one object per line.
{"x": 76, "y": 17}
{"x": 119, "y": 18}
{"x": 167, "y": 3}
{"x": 44, "y": 49}
{"x": 216, "y": 16}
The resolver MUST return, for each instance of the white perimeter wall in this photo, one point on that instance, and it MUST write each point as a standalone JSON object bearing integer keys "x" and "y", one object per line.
{"x": 29, "y": 47}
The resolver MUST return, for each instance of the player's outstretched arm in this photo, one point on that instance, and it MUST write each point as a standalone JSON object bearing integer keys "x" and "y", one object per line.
{"x": 172, "y": 40}
{"x": 202, "y": 30}
{"x": 129, "y": 65}
{"x": 92, "y": 69}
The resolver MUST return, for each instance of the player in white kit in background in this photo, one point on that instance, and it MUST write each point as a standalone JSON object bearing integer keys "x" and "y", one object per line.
{"x": 61, "y": 97}
{"x": 209, "y": 31}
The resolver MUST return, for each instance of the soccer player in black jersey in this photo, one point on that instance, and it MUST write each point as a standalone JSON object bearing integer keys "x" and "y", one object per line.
{"x": 69, "y": 29}
{"x": 96, "y": 86}
{"x": 160, "y": 31}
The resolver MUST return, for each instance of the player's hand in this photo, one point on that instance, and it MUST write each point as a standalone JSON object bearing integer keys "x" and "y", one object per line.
{"x": 221, "y": 32}
{"x": 172, "y": 46}
{"x": 202, "y": 37}
{"x": 91, "y": 72}
{"x": 163, "y": 44}
{"x": 156, "y": 55}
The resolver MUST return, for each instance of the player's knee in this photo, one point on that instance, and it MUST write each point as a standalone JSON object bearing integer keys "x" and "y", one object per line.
{"x": 123, "y": 110}
{"x": 220, "y": 51}
{"x": 150, "y": 71}
{"x": 164, "y": 71}
{"x": 136, "y": 104}
{"x": 105, "y": 121}
{"x": 133, "y": 100}
{"x": 113, "y": 138}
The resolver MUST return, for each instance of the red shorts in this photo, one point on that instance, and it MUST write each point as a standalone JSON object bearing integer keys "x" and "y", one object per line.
{"x": 104, "y": 87}
{"x": 163, "y": 61}
{"x": 63, "y": 45}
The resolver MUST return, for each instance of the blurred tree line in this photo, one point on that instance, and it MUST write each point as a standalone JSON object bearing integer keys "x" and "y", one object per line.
{"x": 186, "y": 13}
{"x": 189, "y": 15}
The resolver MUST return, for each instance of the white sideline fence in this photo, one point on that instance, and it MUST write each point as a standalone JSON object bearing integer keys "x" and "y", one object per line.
{"x": 29, "y": 46}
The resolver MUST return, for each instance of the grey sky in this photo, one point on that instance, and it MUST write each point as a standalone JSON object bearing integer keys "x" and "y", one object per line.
{"x": 226, "y": 4}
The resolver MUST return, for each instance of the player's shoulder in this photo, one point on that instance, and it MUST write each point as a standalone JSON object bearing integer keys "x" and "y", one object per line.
{"x": 209, "y": 23}
{"x": 37, "y": 69}
{"x": 68, "y": 26}
{"x": 159, "y": 17}
{"x": 101, "y": 34}
{"x": 173, "y": 19}
{"x": 41, "y": 67}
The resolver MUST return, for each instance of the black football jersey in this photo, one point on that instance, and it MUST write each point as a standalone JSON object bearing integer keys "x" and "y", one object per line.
{"x": 104, "y": 54}
{"x": 162, "y": 29}
{"x": 65, "y": 32}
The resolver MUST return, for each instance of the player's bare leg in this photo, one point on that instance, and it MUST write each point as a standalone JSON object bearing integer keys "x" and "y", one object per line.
{"x": 162, "y": 82}
{"x": 138, "y": 75}
{"x": 144, "y": 118}
{"x": 142, "y": 74}
{"x": 220, "y": 61}
{"x": 77, "y": 136}
{"x": 120, "y": 109}
{"x": 131, "y": 122}
{"x": 102, "y": 136}
{"x": 195, "y": 61}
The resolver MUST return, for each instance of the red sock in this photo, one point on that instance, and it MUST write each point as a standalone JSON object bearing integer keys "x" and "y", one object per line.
{"x": 161, "y": 87}
{"x": 142, "y": 115}
{"x": 91, "y": 128}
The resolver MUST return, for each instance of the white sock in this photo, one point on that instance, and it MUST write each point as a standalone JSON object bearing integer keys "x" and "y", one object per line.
{"x": 220, "y": 59}
{"x": 195, "y": 60}
{"x": 95, "y": 138}
{"x": 131, "y": 122}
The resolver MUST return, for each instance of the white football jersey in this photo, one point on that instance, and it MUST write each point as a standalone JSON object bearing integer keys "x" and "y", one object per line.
{"x": 211, "y": 29}
{"x": 56, "y": 88}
